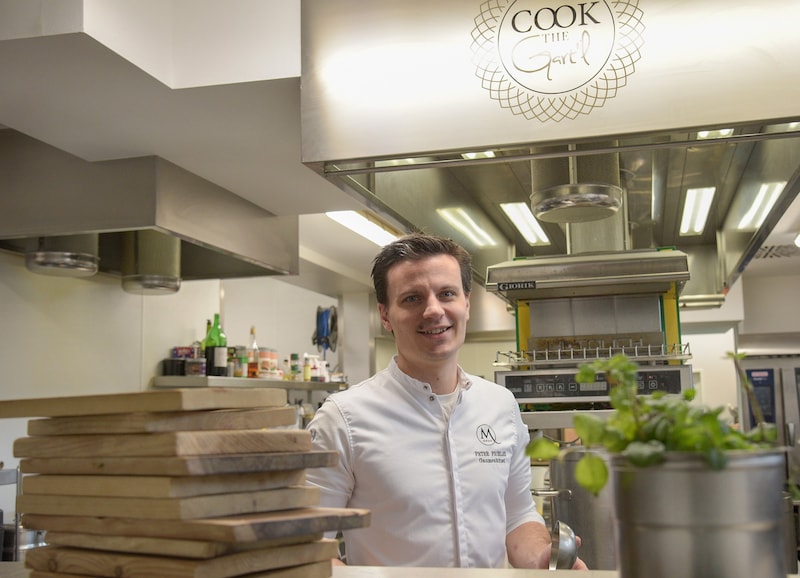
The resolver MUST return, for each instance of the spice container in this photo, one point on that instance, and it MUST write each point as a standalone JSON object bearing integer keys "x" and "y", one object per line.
{"x": 195, "y": 366}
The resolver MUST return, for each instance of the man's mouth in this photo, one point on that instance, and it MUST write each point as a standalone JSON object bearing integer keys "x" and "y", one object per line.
{"x": 436, "y": 331}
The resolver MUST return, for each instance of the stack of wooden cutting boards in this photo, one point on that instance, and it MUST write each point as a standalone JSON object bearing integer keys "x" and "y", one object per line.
{"x": 201, "y": 483}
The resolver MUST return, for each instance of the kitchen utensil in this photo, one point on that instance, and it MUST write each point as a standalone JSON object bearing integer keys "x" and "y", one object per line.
{"x": 564, "y": 550}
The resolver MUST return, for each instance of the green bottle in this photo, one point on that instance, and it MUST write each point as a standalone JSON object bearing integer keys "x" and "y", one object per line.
{"x": 216, "y": 350}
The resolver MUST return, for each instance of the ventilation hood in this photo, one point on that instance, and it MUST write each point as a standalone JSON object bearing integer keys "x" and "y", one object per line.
{"x": 423, "y": 117}
{"x": 588, "y": 275}
{"x": 48, "y": 193}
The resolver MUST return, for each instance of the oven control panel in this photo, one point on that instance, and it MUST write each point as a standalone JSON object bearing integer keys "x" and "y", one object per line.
{"x": 560, "y": 385}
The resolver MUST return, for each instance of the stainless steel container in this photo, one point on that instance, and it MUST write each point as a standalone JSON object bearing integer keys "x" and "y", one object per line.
{"x": 591, "y": 517}
{"x": 681, "y": 519}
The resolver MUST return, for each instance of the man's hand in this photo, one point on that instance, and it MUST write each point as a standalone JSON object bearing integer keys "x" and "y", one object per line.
{"x": 529, "y": 546}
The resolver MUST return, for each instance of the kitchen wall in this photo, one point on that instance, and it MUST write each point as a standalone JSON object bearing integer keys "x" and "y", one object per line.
{"x": 69, "y": 336}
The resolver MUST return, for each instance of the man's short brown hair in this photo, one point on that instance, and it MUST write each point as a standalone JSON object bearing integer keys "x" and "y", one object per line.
{"x": 414, "y": 247}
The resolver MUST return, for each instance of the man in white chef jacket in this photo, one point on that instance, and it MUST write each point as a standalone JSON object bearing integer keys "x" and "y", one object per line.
{"x": 436, "y": 455}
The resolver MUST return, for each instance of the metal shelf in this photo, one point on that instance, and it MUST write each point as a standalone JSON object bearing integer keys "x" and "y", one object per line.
{"x": 643, "y": 354}
{"x": 173, "y": 381}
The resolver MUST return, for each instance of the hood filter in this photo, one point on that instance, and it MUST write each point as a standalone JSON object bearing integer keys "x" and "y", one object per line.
{"x": 65, "y": 256}
{"x": 573, "y": 189}
{"x": 151, "y": 263}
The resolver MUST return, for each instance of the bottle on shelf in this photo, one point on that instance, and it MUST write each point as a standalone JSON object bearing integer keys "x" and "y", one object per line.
{"x": 216, "y": 350}
{"x": 252, "y": 354}
{"x": 306, "y": 368}
{"x": 203, "y": 341}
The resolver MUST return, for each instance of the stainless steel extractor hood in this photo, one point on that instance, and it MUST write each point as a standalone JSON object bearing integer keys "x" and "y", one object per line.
{"x": 588, "y": 275}
{"x": 49, "y": 193}
{"x": 473, "y": 128}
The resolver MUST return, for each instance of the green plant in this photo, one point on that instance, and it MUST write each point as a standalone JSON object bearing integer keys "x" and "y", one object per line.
{"x": 644, "y": 427}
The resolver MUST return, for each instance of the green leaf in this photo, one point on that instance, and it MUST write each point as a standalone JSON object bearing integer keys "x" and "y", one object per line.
{"x": 645, "y": 454}
{"x": 589, "y": 428}
{"x": 591, "y": 473}
{"x": 543, "y": 449}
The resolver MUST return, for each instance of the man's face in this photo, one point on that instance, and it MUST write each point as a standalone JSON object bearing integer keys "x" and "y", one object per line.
{"x": 427, "y": 310}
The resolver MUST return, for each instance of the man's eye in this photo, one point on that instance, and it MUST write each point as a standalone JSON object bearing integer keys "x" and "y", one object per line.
{"x": 411, "y": 299}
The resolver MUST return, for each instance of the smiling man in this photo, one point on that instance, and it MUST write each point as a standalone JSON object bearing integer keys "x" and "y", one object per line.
{"x": 437, "y": 455}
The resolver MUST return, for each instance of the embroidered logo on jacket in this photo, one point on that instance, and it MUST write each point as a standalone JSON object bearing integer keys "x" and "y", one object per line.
{"x": 487, "y": 436}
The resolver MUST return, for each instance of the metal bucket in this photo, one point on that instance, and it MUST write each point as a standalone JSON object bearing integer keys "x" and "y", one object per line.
{"x": 591, "y": 517}
{"x": 683, "y": 520}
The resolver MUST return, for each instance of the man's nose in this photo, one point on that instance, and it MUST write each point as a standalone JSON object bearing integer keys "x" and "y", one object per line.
{"x": 433, "y": 307}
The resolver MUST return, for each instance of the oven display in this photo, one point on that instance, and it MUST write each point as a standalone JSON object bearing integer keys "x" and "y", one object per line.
{"x": 531, "y": 387}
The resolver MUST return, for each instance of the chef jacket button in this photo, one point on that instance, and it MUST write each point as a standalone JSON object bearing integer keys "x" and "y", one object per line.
{"x": 425, "y": 387}
{"x": 431, "y": 398}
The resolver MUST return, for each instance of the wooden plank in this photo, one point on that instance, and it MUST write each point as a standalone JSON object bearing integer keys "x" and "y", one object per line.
{"x": 159, "y": 486}
{"x": 145, "y": 401}
{"x": 149, "y": 422}
{"x": 180, "y": 465}
{"x": 197, "y": 549}
{"x": 182, "y": 443}
{"x": 314, "y": 570}
{"x": 171, "y": 508}
{"x": 64, "y": 560}
{"x": 252, "y": 527}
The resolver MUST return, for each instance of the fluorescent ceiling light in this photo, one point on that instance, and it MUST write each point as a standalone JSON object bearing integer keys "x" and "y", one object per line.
{"x": 721, "y": 133}
{"x": 521, "y": 216}
{"x": 695, "y": 210}
{"x": 461, "y": 221}
{"x": 481, "y": 155}
{"x": 767, "y": 195}
{"x": 358, "y": 223}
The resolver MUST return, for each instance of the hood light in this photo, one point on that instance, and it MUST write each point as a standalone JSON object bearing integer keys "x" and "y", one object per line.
{"x": 797, "y": 240}
{"x": 461, "y": 221}
{"x": 522, "y": 218}
{"x": 695, "y": 210}
{"x": 765, "y": 199}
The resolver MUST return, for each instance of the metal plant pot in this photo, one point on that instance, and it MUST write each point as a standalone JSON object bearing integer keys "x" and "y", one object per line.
{"x": 682, "y": 519}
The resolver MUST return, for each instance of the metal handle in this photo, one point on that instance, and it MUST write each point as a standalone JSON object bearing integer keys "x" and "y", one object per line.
{"x": 552, "y": 493}
{"x": 790, "y": 435}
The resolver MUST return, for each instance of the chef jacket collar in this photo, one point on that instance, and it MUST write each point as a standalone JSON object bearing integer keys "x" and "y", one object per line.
{"x": 464, "y": 383}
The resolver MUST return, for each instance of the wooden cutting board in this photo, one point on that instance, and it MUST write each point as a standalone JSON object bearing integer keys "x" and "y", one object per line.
{"x": 170, "y": 508}
{"x": 164, "y": 421}
{"x": 94, "y": 563}
{"x": 159, "y": 486}
{"x": 166, "y": 546}
{"x": 313, "y": 570}
{"x": 182, "y": 443}
{"x": 181, "y": 465}
{"x": 145, "y": 401}
{"x": 252, "y": 527}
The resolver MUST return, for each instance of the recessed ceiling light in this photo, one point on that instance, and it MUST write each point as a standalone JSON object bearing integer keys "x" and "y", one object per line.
{"x": 360, "y": 224}
{"x": 478, "y": 155}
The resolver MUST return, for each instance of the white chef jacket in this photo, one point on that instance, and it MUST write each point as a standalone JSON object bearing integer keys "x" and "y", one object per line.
{"x": 441, "y": 493}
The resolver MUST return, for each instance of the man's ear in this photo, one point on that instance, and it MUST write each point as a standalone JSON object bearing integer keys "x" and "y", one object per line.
{"x": 384, "y": 314}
